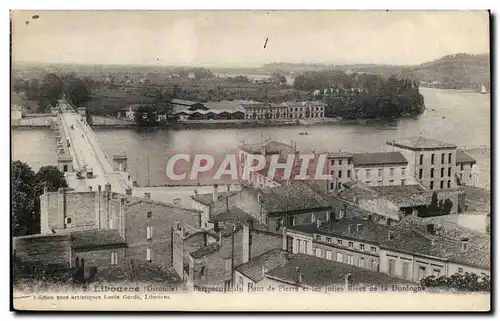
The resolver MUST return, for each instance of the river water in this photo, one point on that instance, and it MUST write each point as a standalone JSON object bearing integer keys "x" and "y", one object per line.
{"x": 458, "y": 117}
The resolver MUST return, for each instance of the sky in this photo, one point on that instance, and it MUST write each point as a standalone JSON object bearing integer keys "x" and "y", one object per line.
{"x": 236, "y": 38}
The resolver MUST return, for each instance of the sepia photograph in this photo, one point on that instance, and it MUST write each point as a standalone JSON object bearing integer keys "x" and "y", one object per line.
{"x": 252, "y": 160}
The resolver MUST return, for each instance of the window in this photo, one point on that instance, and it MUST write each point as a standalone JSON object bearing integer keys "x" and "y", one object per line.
{"x": 203, "y": 271}
{"x": 391, "y": 171}
{"x": 368, "y": 173}
{"x": 402, "y": 182}
{"x": 432, "y": 159}
{"x": 227, "y": 264}
{"x": 432, "y": 172}
{"x": 114, "y": 258}
{"x": 111, "y": 223}
{"x": 339, "y": 242}
{"x": 442, "y": 172}
{"x": 332, "y": 162}
{"x": 449, "y": 184}
{"x": 329, "y": 255}
{"x": 406, "y": 270}
{"x": 349, "y": 259}
{"x": 332, "y": 185}
{"x": 340, "y": 174}
{"x": 340, "y": 257}
{"x": 461, "y": 167}
{"x": 449, "y": 171}
{"x": 403, "y": 171}
{"x": 351, "y": 244}
{"x": 305, "y": 246}
{"x": 368, "y": 182}
{"x": 436, "y": 272}
{"x": 449, "y": 158}
{"x": 391, "y": 182}
{"x": 373, "y": 249}
{"x": 441, "y": 184}
{"x": 380, "y": 173}
{"x": 349, "y": 161}
{"x": 318, "y": 252}
{"x": 361, "y": 262}
{"x": 318, "y": 237}
{"x": 68, "y": 220}
{"x": 432, "y": 185}
{"x": 148, "y": 255}
{"x": 298, "y": 246}
{"x": 421, "y": 272}
{"x": 357, "y": 173}
{"x": 329, "y": 239}
{"x": 442, "y": 158}
{"x": 149, "y": 232}
{"x": 421, "y": 159}
{"x": 361, "y": 246}
{"x": 460, "y": 270}
{"x": 373, "y": 265}
{"x": 340, "y": 162}
{"x": 420, "y": 171}
{"x": 392, "y": 266}
{"x": 348, "y": 173}
{"x": 380, "y": 183}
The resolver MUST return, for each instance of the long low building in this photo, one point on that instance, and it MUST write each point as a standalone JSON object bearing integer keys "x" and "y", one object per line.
{"x": 285, "y": 110}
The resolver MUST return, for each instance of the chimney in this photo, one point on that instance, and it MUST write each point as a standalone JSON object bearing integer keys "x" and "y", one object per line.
{"x": 389, "y": 235}
{"x": 247, "y": 243}
{"x": 465, "y": 244}
{"x": 177, "y": 225}
{"x": 90, "y": 189}
{"x": 284, "y": 246}
{"x": 99, "y": 188}
{"x": 318, "y": 223}
{"x": 147, "y": 195}
{"x": 349, "y": 228}
{"x": 215, "y": 193}
{"x": 264, "y": 270}
{"x": 107, "y": 188}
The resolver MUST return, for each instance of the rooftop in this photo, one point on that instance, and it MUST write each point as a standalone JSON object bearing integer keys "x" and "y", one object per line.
{"x": 269, "y": 260}
{"x": 201, "y": 252}
{"x": 379, "y": 158}
{"x": 271, "y": 147}
{"x": 208, "y": 198}
{"x": 404, "y": 195}
{"x": 477, "y": 198}
{"x": 295, "y": 197}
{"x": 419, "y": 143}
{"x": 463, "y": 157}
{"x": 96, "y": 238}
{"x": 317, "y": 272}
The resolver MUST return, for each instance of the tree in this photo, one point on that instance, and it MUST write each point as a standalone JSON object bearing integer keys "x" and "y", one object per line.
{"x": 50, "y": 91}
{"x": 32, "y": 89}
{"x": 77, "y": 91}
{"x": 467, "y": 282}
{"x": 26, "y": 187}
{"x": 49, "y": 177}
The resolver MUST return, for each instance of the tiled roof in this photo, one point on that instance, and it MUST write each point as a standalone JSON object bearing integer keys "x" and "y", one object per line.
{"x": 271, "y": 147}
{"x": 419, "y": 142}
{"x": 96, "y": 238}
{"x": 404, "y": 195}
{"x": 184, "y": 102}
{"x": 234, "y": 215}
{"x": 253, "y": 268}
{"x": 293, "y": 197}
{"x": 201, "y": 252}
{"x": 317, "y": 272}
{"x": 477, "y": 199}
{"x": 379, "y": 158}
{"x": 339, "y": 154}
{"x": 463, "y": 157}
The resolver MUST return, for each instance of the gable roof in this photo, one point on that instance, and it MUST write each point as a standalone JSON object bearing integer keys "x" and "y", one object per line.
{"x": 419, "y": 143}
{"x": 463, "y": 157}
{"x": 268, "y": 260}
{"x": 379, "y": 158}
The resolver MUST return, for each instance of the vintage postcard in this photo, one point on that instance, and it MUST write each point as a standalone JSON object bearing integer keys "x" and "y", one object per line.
{"x": 250, "y": 160}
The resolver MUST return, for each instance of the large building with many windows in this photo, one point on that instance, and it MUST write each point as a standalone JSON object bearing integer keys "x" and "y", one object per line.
{"x": 285, "y": 111}
{"x": 431, "y": 162}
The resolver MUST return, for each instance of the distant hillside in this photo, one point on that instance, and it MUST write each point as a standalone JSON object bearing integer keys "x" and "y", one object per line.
{"x": 459, "y": 71}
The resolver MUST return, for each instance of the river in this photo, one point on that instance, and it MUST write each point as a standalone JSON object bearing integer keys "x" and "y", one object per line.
{"x": 458, "y": 117}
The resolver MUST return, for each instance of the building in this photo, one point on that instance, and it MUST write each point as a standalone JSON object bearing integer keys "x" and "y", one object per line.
{"x": 143, "y": 224}
{"x": 432, "y": 162}
{"x": 208, "y": 261}
{"x": 410, "y": 250}
{"x": 466, "y": 169}
{"x": 285, "y": 111}
{"x": 16, "y": 114}
{"x": 396, "y": 202}
{"x": 277, "y": 207}
{"x": 129, "y": 112}
{"x": 341, "y": 168}
{"x": 381, "y": 169}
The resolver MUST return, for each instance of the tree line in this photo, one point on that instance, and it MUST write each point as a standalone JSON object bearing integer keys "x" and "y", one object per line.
{"x": 353, "y": 96}
{"x": 52, "y": 88}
